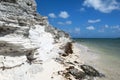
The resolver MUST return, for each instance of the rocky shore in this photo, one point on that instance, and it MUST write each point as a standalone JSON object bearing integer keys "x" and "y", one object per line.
{"x": 31, "y": 49}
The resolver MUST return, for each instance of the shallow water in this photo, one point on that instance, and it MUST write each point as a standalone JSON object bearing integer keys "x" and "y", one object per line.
{"x": 109, "y": 51}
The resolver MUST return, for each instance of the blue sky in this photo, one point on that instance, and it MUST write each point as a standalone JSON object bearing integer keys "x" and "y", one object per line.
{"x": 83, "y": 18}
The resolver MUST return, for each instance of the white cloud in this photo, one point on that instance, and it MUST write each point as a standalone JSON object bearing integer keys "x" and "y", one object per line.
{"x": 101, "y": 30}
{"x": 52, "y": 15}
{"x": 82, "y": 9}
{"x": 94, "y": 21}
{"x": 117, "y": 27}
{"x": 60, "y": 23}
{"x": 64, "y": 14}
{"x": 112, "y": 28}
{"x": 77, "y": 29}
{"x": 106, "y": 26}
{"x": 90, "y": 28}
{"x": 68, "y": 22}
{"x": 105, "y": 6}
{"x": 65, "y": 23}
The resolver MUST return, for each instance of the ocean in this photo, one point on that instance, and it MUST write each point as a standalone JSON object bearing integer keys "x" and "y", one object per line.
{"x": 109, "y": 52}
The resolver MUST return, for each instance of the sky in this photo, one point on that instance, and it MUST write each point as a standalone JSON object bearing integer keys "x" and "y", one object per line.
{"x": 83, "y": 18}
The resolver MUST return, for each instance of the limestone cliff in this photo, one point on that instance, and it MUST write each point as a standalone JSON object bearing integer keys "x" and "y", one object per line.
{"x": 26, "y": 40}
{"x": 30, "y": 48}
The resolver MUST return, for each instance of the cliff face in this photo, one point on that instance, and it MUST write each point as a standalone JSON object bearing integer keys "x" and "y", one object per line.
{"x": 27, "y": 41}
{"x": 22, "y": 29}
{"x": 31, "y": 49}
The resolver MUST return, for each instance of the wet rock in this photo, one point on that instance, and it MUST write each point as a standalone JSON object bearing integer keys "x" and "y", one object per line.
{"x": 90, "y": 71}
{"x": 77, "y": 74}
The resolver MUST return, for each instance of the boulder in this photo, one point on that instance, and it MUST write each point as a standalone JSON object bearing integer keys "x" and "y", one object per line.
{"x": 90, "y": 71}
{"x": 76, "y": 73}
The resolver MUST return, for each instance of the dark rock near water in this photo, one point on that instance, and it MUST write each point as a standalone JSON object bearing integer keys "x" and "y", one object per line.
{"x": 77, "y": 74}
{"x": 90, "y": 71}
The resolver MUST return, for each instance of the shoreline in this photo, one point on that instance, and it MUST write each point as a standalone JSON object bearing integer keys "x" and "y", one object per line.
{"x": 87, "y": 55}
{"x": 99, "y": 61}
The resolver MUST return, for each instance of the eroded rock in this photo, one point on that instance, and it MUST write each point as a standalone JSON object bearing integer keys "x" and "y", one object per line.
{"x": 76, "y": 73}
{"x": 10, "y": 1}
{"x": 90, "y": 71}
{"x": 67, "y": 49}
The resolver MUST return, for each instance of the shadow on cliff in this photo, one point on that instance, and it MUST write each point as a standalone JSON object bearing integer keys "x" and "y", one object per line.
{"x": 13, "y": 50}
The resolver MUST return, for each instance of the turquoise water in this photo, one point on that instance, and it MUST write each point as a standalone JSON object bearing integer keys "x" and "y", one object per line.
{"x": 107, "y": 46}
{"x": 109, "y": 50}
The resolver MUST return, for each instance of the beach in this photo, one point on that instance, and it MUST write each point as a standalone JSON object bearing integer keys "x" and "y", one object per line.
{"x": 103, "y": 61}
